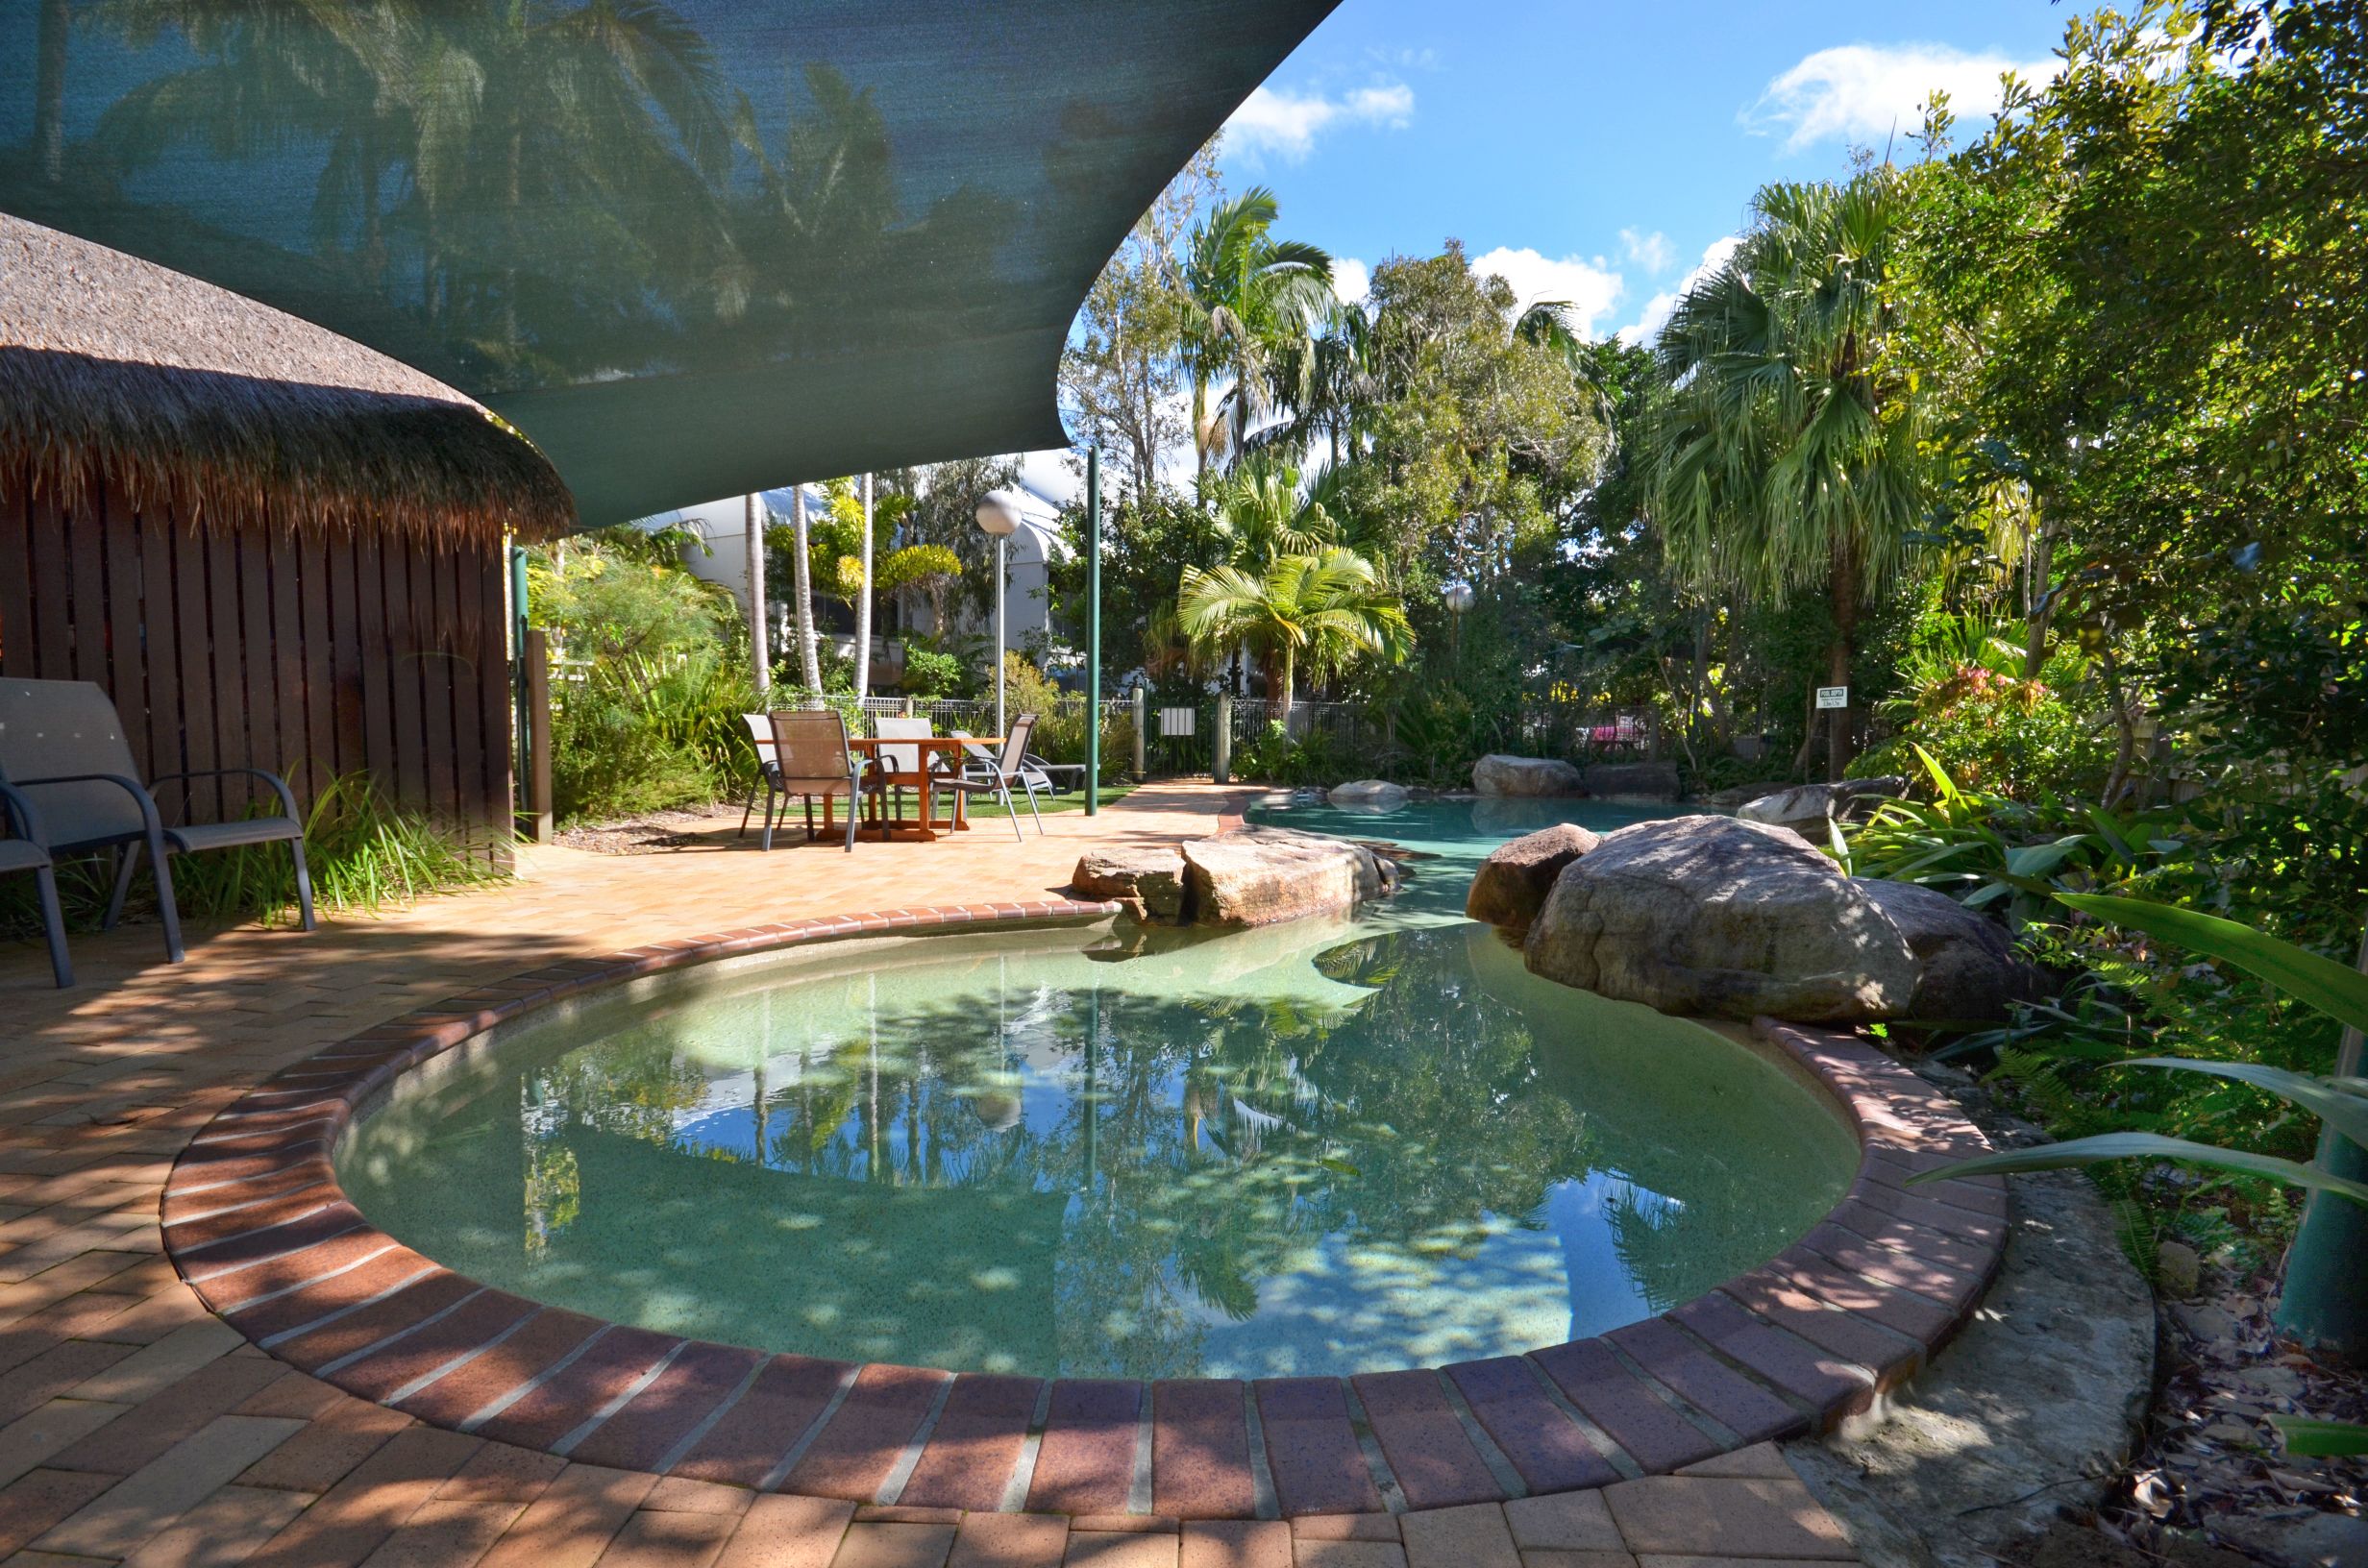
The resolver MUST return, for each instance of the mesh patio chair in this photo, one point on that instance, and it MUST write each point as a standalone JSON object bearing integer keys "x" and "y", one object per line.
{"x": 1035, "y": 775}
{"x": 894, "y": 766}
{"x": 62, "y": 745}
{"x": 998, "y": 772}
{"x": 809, "y": 749}
{"x": 768, "y": 770}
{"x": 24, "y": 853}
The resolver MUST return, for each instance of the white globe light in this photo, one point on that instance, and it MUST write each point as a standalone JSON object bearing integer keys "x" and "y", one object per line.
{"x": 999, "y": 513}
{"x": 1458, "y": 596}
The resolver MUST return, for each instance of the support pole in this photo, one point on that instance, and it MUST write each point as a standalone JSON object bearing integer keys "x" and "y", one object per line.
{"x": 1143, "y": 724}
{"x": 539, "y": 811}
{"x": 1221, "y": 744}
{"x": 1002, "y": 597}
{"x": 521, "y": 753}
{"x": 1093, "y": 630}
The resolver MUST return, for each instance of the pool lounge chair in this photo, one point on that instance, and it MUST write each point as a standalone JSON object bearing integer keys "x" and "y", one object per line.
{"x": 63, "y": 746}
{"x": 24, "y": 853}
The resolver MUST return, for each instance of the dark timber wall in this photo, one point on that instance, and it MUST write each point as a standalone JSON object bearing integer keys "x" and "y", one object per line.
{"x": 251, "y": 643}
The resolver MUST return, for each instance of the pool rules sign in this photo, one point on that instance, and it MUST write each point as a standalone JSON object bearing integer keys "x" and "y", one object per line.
{"x": 1833, "y": 697}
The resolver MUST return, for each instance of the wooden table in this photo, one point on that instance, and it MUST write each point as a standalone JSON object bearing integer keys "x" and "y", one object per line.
{"x": 930, "y": 824}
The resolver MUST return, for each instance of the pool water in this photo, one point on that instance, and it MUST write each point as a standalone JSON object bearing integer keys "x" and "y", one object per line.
{"x": 1319, "y": 1148}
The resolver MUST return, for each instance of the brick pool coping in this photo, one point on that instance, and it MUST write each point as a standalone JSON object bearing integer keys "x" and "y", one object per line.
{"x": 255, "y": 1222}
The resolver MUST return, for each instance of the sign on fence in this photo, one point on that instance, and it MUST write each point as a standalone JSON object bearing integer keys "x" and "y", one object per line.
{"x": 1833, "y": 697}
{"x": 1176, "y": 721}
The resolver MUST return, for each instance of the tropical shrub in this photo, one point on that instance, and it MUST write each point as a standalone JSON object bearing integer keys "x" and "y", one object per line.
{"x": 2000, "y": 734}
{"x": 653, "y": 678}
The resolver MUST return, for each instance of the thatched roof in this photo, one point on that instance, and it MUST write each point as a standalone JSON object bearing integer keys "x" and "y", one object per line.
{"x": 172, "y": 391}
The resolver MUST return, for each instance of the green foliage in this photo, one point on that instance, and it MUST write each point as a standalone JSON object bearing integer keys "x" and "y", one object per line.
{"x": 1995, "y": 732}
{"x": 652, "y": 678}
{"x": 930, "y": 673}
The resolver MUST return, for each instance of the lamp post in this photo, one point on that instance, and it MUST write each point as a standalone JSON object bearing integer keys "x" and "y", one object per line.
{"x": 1457, "y": 596}
{"x": 998, "y": 517}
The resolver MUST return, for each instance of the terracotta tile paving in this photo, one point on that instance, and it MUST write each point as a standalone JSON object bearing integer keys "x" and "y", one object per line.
{"x": 136, "y": 1426}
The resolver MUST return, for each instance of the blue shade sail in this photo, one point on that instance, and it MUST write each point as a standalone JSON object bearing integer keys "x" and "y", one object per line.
{"x": 690, "y": 250}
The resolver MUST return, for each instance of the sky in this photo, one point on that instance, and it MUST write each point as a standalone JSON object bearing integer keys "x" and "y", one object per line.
{"x": 1597, "y": 150}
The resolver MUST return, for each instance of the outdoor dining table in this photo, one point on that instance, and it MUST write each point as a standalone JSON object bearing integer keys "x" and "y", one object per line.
{"x": 929, "y": 824}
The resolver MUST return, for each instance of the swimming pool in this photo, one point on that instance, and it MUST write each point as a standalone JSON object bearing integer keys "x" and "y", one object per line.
{"x": 1320, "y": 1148}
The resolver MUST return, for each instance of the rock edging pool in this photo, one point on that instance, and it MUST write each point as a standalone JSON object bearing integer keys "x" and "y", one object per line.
{"x": 255, "y": 1222}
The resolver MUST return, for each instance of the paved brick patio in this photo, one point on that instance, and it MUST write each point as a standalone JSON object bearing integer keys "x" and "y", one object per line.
{"x": 136, "y": 1427}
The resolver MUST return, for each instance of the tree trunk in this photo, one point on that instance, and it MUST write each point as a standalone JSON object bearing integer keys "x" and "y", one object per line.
{"x": 2038, "y": 609}
{"x": 49, "y": 91}
{"x": 760, "y": 649}
{"x": 1845, "y": 602}
{"x": 2125, "y": 726}
{"x": 801, "y": 569}
{"x": 863, "y": 603}
{"x": 1287, "y": 672}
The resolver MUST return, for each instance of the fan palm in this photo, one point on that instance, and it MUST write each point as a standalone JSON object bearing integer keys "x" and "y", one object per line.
{"x": 1251, "y": 304}
{"x": 1785, "y": 451}
{"x": 1323, "y": 611}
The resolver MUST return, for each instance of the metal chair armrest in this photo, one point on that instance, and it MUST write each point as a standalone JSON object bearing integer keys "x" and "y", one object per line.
{"x": 150, "y": 822}
{"x": 16, "y": 808}
{"x": 279, "y": 785}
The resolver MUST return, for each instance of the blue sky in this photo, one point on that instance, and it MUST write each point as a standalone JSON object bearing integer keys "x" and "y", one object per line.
{"x": 1617, "y": 142}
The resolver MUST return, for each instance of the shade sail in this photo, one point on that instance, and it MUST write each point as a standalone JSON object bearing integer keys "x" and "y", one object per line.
{"x": 690, "y": 250}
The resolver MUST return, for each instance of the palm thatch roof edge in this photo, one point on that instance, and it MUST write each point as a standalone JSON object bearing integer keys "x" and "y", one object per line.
{"x": 120, "y": 374}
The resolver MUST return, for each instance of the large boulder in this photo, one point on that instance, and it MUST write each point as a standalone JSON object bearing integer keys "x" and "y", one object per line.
{"x": 1807, "y": 808}
{"x": 1259, "y": 875}
{"x": 1499, "y": 774}
{"x": 1369, "y": 796}
{"x": 1146, "y": 877}
{"x": 1514, "y": 881}
{"x": 1632, "y": 780}
{"x": 1715, "y": 915}
{"x": 1967, "y": 967}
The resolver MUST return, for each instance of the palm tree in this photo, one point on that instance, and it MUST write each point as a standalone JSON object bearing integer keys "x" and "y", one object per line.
{"x": 1251, "y": 304}
{"x": 1326, "y": 610}
{"x": 1785, "y": 451}
{"x": 801, "y": 568}
{"x": 1262, "y": 512}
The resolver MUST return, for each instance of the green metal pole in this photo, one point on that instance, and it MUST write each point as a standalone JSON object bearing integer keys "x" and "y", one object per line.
{"x": 1093, "y": 630}
{"x": 519, "y": 713}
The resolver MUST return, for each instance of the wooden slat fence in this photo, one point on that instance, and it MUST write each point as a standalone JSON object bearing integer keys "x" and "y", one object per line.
{"x": 315, "y": 655}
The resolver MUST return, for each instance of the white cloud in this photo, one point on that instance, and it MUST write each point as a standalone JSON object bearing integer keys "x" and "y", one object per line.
{"x": 1656, "y": 312}
{"x": 1287, "y": 124}
{"x": 1352, "y": 279}
{"x": 1591, "y": 288}
{"x": 1871, "y": 92}
{"x": 1652, "y": 251}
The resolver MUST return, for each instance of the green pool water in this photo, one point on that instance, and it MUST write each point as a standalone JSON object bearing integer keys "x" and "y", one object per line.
{"x": 1326, "y": 1147}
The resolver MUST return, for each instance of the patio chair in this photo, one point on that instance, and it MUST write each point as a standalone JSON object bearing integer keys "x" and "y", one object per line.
{"x": 24, "y": 853}
{"x": 1000, "y": 772}
{"x": 894, "y": 766}
{"x": 809, "y": 751}
{"x": 62, "y": 743}
{"x": 768, "y": 769}
{"x": 1035, "y": 774}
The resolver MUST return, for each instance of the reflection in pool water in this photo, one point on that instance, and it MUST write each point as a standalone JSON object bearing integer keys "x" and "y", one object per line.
{"x": 1319, "y": 1148}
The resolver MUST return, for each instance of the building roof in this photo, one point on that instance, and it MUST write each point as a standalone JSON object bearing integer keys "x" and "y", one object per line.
{"x": 688, "y": 247}
{"x": 172, "y": 391}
